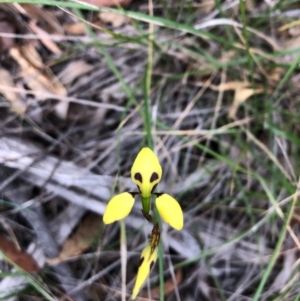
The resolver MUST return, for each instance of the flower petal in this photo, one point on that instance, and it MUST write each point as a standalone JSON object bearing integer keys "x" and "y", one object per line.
{"x": 118, "y": 207}
{"x": 147, "y": 261}
{"x": 146, "y": 171}
{"x": 170, "y": 210}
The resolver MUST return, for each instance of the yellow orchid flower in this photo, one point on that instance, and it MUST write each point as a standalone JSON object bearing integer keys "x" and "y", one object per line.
{"x": 147, "y": 261}
{"x": 146, "y": 172}
{"x": 118, "y": 207}
{"x": 170, "y": 210}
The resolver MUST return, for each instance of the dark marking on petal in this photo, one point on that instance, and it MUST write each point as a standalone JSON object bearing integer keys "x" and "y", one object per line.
{"x": 151, "y": 265}
{"x": 133, "y": 193}
{"x": 141, "y": 261}
{"x": 153, "y": 188}
{"x": 158, "y": 194}
{"x": 138, "y": 177}
{"x": 154, "y": 177}
{"x": 139, "y": 188}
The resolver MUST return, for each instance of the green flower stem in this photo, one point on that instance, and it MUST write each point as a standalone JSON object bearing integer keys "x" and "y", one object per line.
{"x": 146, "y": 205}
{"x": 123, "y": 255}
{"x": 160, "y": 258}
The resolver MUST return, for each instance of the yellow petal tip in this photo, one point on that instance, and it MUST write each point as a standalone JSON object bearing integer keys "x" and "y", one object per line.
{"x": 147, "y": 262}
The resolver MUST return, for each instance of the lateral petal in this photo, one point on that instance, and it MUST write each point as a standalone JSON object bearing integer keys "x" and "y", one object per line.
{"x": 170, "y": 211}
{"x": 118, "y": 207}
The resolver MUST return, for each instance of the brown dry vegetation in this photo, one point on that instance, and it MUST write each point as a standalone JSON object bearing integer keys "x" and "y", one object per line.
{"x": 222, "y": 112}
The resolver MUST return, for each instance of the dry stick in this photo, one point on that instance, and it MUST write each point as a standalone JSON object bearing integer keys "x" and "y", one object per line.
{"x": 35, "y": 217}
{"x": 269, "y": 154}
{"x": 46, "y": 95}
{"x": 123, "y": 255}
{"x": 71, "y": 182}
{"x": 45, "y": 239}
{"x": 187, "y": 109}
{"x": 63, "y": 224}
{"x": 216, "y": 114}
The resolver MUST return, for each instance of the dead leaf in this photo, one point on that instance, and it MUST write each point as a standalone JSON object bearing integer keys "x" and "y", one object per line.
{"x": 228, "y": 56}
{"x": 75, "y": 29}
{"x": 20, "y": 258}
{"x": 31, "y": 55}
{"x": 108, "y": 2}
{"x": 46, "y": 40}
{"x": 50, "y": 24}
{"x": 230, "y": 86}
{"x": 81, "y": 240}
{"x": 70, "y": 73}
{"x": 116, "y": 20}
{"x": 242, "y": 92}
{"x": 37, "y": 76}
{"x": 74, "y": 70}
{"x": 38, "y": 13}
{"x": 16, "y": 103}
{"x": 206, "y": 7}
{"x": 276, "y": 74}
{"x": 240, "y": 96}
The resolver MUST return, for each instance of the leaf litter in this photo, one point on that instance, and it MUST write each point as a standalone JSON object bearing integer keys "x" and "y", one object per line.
{"x": 59, "y": 159}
